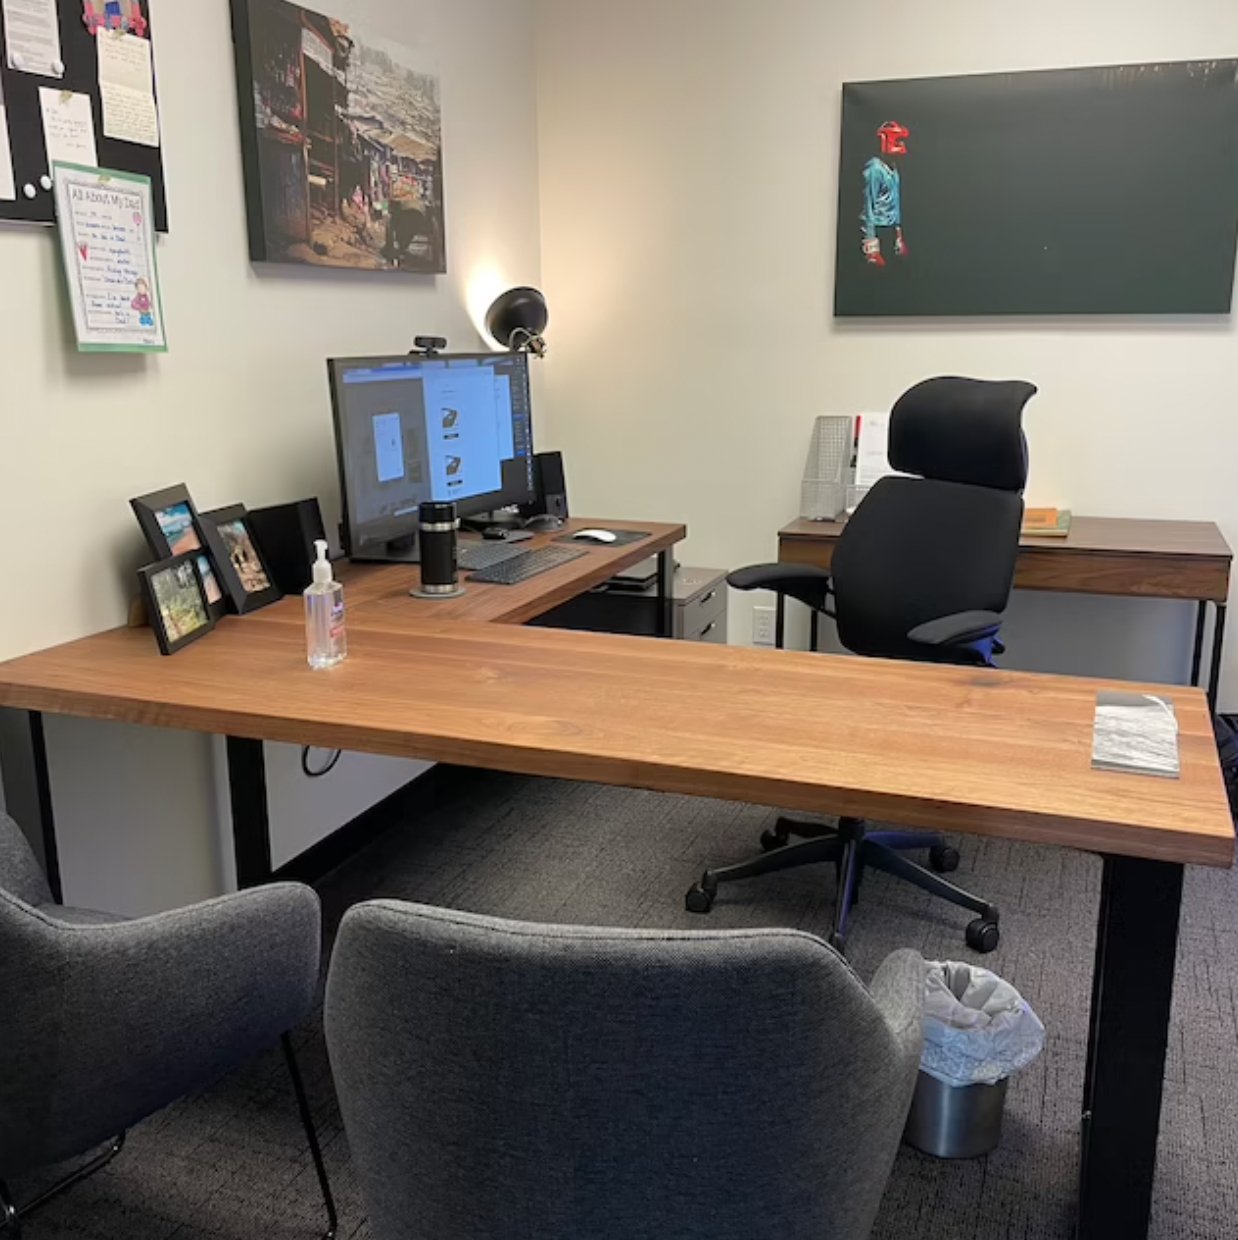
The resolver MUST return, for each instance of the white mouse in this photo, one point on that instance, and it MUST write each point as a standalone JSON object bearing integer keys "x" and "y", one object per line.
{"x": 597, "y": 536}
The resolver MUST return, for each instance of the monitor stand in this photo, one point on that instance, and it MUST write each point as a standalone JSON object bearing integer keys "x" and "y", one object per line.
{"x": 401, "y": 550}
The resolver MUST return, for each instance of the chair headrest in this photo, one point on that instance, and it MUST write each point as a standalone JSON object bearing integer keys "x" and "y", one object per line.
{"x": 962, "y": 430}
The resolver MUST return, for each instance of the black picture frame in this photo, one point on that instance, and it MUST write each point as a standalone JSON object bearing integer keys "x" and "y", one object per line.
{"x": 243, "y": 569}
{"x": 174, "y": 632}
{"x": 161, "y": 536}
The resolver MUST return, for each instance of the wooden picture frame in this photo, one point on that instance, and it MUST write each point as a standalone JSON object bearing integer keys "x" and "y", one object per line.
{"x": 172, "y": 527}
{"x": 176, "y": 603}
{"x": 243, "y": 568}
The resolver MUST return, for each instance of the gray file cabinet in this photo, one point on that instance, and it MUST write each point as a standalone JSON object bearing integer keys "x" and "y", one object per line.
{"x": 699, "y": 615}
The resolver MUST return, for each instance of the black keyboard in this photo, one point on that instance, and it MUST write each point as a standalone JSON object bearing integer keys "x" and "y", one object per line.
{"x": 527, "y": 564}
{"x": 473, "y": 556}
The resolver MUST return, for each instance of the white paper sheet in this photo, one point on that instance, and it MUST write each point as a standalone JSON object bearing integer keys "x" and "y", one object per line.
{"x": 872, "y": 461}
{"x": 68, "y": 127}
{"x": 8, "y": 190}
{"x": 32, "y": 36}
{"x": 107, "y": 241}
{"x": 127, "y": 87}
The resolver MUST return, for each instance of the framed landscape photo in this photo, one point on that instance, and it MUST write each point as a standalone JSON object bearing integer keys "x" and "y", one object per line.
{"x": 172, "y": 527}
{"x": 176, "y": 601}
{"x": 242, "y": 568}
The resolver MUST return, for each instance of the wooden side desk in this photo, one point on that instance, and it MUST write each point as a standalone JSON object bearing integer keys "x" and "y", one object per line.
{"x": 981, "y": 751}
{"x": 1187, "y": 560}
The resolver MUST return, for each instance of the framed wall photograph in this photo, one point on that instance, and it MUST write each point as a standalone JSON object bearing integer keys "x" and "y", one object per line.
{"x": 1110, "y": 190}
{"x": 176, "y": 602}
{"x": 242, "y": 567}
{"x": 342, "y": 143}
{"x": 171, "y": 524}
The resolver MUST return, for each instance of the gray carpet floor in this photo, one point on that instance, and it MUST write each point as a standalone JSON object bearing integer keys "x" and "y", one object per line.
{"x": 230, "y": 1163}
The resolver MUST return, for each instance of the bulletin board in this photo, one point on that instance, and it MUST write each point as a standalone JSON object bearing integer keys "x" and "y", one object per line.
{"x": 81, "y": 75}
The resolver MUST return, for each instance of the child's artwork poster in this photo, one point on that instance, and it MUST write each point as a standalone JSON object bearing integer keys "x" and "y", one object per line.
{"x": 107, "y": 240}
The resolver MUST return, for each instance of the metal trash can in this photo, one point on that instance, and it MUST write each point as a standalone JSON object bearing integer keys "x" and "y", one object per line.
{"x": 955, "y": 1121}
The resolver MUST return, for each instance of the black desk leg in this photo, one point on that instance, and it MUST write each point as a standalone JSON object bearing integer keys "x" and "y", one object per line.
{"x": 251, "y": 829}
{"x": 1132, "y": 990}
{"x": 780, "y": 622}
{"x": 666, "y": 594}
{"x": 28, "y": 789}
{"x": 814, "y": 624}
{"x": 1218, "y": 637}
{"x": 1197, "y": 654}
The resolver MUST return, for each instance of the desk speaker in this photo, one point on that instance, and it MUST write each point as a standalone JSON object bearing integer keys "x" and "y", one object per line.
{"x": 551, "y": 483}
{"x": 286, "y": 535}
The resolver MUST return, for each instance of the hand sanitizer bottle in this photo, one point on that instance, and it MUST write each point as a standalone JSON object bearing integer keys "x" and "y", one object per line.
{"x": 325, "y": 641}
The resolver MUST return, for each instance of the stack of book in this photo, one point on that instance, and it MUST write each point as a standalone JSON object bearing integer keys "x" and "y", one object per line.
{"x": 1046, "y": 522}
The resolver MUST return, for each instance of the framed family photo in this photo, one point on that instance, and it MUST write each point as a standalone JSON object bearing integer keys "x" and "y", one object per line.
{"x": 172, "y": 527}
{"x": 242, "y": 566}
{"x": 175, "y": 597}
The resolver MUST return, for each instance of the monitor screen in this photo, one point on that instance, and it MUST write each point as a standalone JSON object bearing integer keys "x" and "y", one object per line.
{"x": 408, "y": 429}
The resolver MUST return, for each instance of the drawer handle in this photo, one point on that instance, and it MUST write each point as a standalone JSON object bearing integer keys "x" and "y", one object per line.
{"x": 707, "y": 630}
{"x": 711, "y": 595}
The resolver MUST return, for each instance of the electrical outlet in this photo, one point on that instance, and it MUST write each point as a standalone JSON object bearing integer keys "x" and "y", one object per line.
{"x": 764, "y": 626}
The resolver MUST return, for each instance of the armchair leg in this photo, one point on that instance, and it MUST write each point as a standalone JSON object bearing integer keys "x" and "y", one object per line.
{"x": 11, "y": 1215}
{"x": 311, "y": 1134}
{"x": 10, "y": 1223}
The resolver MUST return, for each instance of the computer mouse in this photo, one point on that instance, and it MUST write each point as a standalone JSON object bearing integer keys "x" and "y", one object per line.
{"x": 595, "y": 536}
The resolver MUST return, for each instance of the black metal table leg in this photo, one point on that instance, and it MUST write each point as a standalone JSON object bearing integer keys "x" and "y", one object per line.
{"x": 251, "y": 828}
{"x": 814, "y": 625}
{"x": 1218, "y": 637}
{"x": 1197, "y": 653}
{"x": 28, "y": 788}
{"x": 666, "y": 594}
{"x": 1132, "y": 990}
{"x": 780, "y": 622}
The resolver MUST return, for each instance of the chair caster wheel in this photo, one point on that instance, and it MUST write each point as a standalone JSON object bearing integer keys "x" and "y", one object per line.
{"x": 943, "y": 858}
{"x": 983, "y": 936}
{"x": 771, "y": 841}
{"x": 699, "y": 899}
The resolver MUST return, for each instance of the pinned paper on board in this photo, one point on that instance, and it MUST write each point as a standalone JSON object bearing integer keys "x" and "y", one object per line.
{"x": 114, "y": 15}
{"x": 107, "y": 242}
{"x": 32, "y": 37}
{"x": 127, "y": 88}
{"x": 8, "y": 188}
{"x": 68, "y": 127}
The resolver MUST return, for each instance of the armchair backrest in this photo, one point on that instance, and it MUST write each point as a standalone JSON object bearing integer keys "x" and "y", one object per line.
{"x": 944, "y": 539}
{"x": 613, "y": 1083}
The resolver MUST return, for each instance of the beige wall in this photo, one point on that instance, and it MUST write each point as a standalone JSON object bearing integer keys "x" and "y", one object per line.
{"x": 689, "y": 178}
{"x": 238, "y": 409}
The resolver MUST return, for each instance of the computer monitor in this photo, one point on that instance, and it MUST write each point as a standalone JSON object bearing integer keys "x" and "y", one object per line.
{"x": 450, "y": 426}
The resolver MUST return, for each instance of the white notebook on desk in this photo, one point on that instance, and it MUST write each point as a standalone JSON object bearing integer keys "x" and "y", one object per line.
{"x": 1136, "y": 733}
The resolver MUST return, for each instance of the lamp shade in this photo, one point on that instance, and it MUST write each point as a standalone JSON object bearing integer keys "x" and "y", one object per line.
{"x": 517, "y": 320}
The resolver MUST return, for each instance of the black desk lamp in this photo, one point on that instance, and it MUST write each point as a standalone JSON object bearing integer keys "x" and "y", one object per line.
{"x": 517, "y": 320}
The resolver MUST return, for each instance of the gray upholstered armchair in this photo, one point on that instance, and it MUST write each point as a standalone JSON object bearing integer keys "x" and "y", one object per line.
{"x": 104, "y": 1021}
{"x": 507, "y": 1079}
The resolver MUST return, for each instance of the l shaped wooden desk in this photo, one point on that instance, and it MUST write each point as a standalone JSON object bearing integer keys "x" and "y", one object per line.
{"x": 980, "y": 751}
{"x": 1129, "y": 557}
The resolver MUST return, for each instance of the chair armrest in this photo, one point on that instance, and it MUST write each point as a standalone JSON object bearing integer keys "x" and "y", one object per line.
{"x": 150, "y": 1009}
{"x": 958, "y": 630}
{"x": 799, "y": 581}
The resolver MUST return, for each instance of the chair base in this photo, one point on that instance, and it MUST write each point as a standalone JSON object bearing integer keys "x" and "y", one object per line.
{"x": 852, "y": 847}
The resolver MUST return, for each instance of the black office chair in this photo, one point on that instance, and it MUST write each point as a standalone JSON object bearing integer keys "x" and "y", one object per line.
{"x": 922, "y": 571}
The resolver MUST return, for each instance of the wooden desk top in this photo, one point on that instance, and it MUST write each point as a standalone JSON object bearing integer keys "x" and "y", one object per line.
{"x": 1101, "y": 555}
{"x": 960, "y": 749}
{"x": 381, "y": 591}
{"x": 1124, "y": 535}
